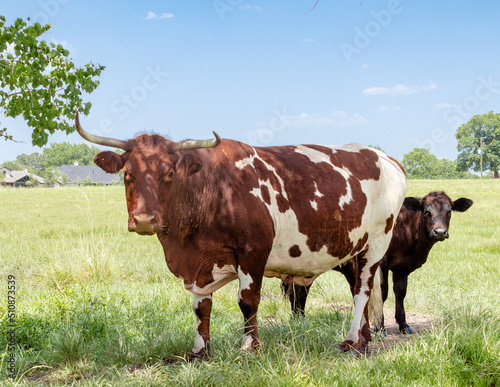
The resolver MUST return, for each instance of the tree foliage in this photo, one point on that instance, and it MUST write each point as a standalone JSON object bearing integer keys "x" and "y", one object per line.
{"x": 39, "y": 82}
{"x": 420, "y": 163}
{"x": 66, "y": 154}
{"x": 487, "y": 127}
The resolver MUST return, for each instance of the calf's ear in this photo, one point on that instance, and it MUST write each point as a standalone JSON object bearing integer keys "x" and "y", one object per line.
{"x": 413, "y": 204}
{"x": 109, "y": 161}
{"x": 461, "y": 204}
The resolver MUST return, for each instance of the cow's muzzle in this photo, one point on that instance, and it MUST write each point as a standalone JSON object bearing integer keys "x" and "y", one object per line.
{"x": 142, "y": 223}
{"x": 439, "y": 233}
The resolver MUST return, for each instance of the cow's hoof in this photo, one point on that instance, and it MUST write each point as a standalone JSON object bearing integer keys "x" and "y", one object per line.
{"x": 350, "y": 348}
{"x": 253, "y": 348}
{"x": 194, "y": 356}
{"x": 350, "y": 352}
{"x": 405, "y": 329}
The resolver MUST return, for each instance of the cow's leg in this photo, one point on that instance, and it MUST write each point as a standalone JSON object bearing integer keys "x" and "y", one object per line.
{"x": 400, "y": 284}
{"x": 202, "y": 306}
{"x": 359, "y": 334}
{"x": 297, "y": 295}
{"x": 248, "y": 300}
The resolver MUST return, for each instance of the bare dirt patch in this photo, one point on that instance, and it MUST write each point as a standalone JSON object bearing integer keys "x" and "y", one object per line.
{"x": 419, "y": 323}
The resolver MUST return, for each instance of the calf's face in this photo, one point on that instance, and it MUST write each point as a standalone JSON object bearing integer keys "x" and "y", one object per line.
{"x": 435, "y": 210}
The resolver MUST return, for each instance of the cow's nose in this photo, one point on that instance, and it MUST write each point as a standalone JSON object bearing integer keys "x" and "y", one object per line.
{"x": 440, "y": 233}
{"x": 143, "y": 224}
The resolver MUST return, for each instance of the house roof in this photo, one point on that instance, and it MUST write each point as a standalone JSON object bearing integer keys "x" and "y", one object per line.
{"x": 19, "y": 176}
{"x": 82, "y": 172}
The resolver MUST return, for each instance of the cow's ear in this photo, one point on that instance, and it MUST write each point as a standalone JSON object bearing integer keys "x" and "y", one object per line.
{"x": 413, "y": 204}
{"x": 110, "y": 162}
{"x": 461, "y": 204}
{"x": 188, "y": 165}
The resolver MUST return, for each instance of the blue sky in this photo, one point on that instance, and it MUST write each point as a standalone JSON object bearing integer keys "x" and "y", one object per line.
{"x": 397, "y": 74}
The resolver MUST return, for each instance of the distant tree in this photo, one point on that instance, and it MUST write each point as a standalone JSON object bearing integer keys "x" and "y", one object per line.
{"x": 487, "y": 127}
{"x": 420, "y": 163}
{"x": 448, "y": 169}
{"x": 34, "y": 163}
{"x": 64, "y": 153}
{"x": 65, "y": 179}
{"x": 39, "y": 82}
{"x": 13, "y": 165}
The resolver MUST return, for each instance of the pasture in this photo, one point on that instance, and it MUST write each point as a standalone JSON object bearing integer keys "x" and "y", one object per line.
{"x": 96, "y": 305}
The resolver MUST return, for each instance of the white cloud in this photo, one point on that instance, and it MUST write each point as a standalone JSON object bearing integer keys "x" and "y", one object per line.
{"x": 399, "y": 89}
{"x": 384, "y": 108}
{"x": 7, "y": 51}
{"x": 336, "y": 117}
{"x": 151, "y": 15}
{"x": 308, "y": 40}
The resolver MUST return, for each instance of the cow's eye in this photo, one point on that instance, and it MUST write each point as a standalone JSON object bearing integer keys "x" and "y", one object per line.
{"x": 127, "y": 176}
{"x": 169, "y": 176}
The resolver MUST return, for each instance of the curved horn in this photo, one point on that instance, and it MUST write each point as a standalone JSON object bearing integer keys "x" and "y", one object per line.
{"x": 196, "y": 144}
{"x": 98, "y": 139}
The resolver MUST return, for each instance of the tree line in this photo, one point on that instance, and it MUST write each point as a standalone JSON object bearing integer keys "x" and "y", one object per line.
{"x": 44, "y": 164}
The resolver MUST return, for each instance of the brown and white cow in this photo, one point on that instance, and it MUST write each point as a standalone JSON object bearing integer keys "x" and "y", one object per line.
{"x": 421, "y": 223}
{"x": 224, "y": 211}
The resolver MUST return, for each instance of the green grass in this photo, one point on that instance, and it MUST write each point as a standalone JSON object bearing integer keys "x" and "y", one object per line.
{"x": 96, "y": 305}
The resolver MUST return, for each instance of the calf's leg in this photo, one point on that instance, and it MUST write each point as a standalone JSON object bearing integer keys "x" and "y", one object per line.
{"x": 297, "y": 295}
{"x": 400, "y": 284}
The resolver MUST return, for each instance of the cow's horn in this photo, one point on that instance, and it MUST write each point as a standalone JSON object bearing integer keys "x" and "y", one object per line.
{"x": 195, "y": 144}
{"x": 114, "y": 143}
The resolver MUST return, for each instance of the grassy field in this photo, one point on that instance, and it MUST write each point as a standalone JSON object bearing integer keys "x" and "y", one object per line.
{"x": 96, "y": 305}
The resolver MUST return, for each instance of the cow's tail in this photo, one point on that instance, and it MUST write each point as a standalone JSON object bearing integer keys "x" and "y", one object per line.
{"x": 375, "y": 303}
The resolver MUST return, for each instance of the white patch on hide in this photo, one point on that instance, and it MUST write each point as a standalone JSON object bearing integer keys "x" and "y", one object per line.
{"x": 222, "y": 275}
{"x": 316, "y": 191}
{"x": 199, "y": 344}
{"x": 245, "y": 282}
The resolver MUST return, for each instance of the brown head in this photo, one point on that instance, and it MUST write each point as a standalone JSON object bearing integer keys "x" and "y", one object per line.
{"x": 436, "y": 208}
{"x": 150, "y": 164}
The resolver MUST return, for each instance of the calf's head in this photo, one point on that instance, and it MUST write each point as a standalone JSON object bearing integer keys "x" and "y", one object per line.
{"x": 435, "y": 210}
{"x": 150, "y": 164}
